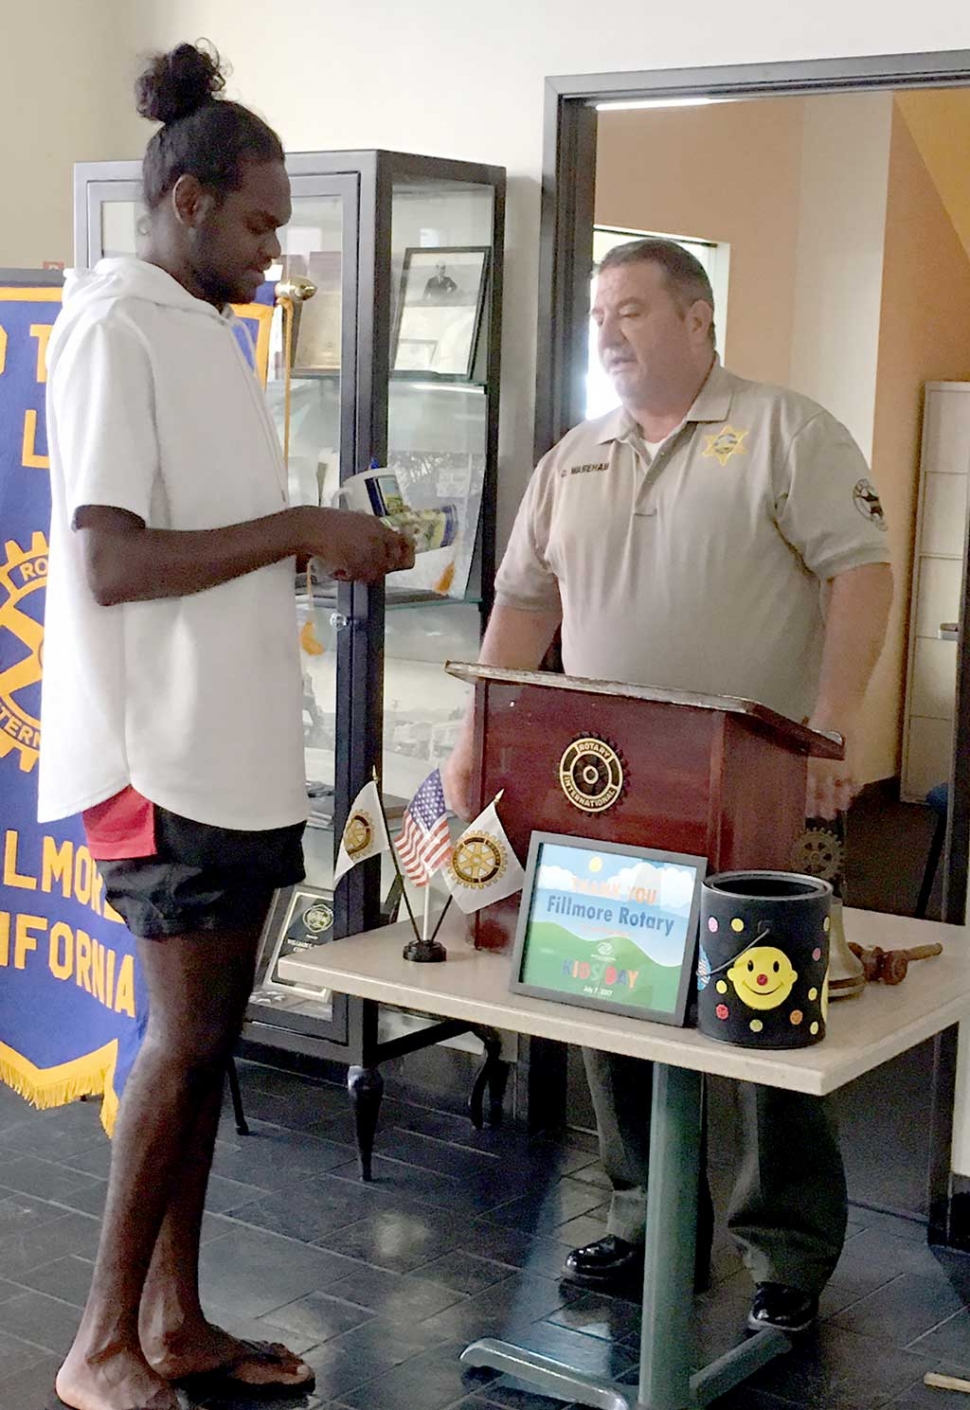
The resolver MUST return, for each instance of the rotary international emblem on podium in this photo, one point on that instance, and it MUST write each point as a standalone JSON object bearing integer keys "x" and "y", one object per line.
{"x": 591, "y": 774}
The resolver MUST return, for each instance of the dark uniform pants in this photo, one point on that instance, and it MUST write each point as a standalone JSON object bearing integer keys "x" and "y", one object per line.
{"x": 788, "y": 1210}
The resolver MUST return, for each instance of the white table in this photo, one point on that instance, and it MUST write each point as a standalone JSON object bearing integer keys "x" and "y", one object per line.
{"x": 862, "y": 1034}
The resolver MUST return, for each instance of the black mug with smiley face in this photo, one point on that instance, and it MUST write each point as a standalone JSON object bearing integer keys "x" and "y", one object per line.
{"x": 763, "y": 958}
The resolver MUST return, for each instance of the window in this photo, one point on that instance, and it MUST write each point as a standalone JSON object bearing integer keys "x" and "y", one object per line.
{"x": 714, "y": 256}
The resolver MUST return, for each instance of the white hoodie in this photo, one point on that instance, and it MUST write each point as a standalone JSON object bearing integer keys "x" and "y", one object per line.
{"x": 195, "y": 701}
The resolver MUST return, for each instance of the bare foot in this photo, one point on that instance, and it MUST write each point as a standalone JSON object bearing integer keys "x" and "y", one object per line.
{"x": 122, "y": 1381}
{"x": 192, "y": 1352}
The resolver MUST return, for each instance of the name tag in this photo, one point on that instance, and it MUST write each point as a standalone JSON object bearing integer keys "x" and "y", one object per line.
{"x": 584, "y": 469}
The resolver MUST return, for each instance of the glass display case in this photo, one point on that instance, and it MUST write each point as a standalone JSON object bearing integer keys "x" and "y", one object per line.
{"x": 394, "y": 362}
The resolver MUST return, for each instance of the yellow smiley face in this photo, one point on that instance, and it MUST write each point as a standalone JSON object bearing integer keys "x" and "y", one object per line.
{"x": 762, "y": 977}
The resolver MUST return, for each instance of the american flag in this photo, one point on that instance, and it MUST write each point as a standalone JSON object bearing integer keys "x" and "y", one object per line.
{"x": 425, "y": 843}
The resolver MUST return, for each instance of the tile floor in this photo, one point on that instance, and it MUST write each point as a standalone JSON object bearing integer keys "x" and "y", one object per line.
{"x": 460, "y": 1235}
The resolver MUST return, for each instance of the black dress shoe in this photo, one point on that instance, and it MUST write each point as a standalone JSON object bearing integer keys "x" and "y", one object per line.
{"x": 607, "y": 1263}
{"x": 613, "y": 1264}
{"x": 786, "y": 1309}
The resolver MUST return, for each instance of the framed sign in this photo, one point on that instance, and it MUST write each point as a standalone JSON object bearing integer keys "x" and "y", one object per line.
{"x": 439, "y": 311}
{"x": 608, "y": 926}
{"x": 301, "y": 918}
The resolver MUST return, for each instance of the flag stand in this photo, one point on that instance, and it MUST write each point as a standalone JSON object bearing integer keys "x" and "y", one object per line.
{"x": 420, "y": 949}
{"x": 425, "y": 950}
{"x": 428, "y": 951}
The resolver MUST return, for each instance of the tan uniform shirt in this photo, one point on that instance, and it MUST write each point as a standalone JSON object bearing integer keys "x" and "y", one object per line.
{"x": 701, "y": 569}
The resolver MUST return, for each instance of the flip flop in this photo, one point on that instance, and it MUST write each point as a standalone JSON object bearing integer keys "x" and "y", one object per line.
{"x": 220, "y": 1381}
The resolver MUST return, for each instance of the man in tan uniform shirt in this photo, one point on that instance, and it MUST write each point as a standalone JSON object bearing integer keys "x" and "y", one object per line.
{"x": 720, "y": 536}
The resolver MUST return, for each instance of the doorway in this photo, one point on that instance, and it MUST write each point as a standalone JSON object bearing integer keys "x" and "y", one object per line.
{"x": 833, "y": 189}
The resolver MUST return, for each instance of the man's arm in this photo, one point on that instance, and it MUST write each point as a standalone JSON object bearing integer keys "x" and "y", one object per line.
{"x": 855, "y": 628}
{"x": 517, "y": 640}
{"x": 126, "y": 562}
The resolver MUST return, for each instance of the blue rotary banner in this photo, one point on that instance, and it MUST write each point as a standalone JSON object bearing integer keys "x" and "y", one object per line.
{"x": 72, "y": 1010}
{"x": 72, "y": 1003}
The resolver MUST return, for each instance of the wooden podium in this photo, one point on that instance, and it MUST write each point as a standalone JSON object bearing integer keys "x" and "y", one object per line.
{"x": 704, "y": 774}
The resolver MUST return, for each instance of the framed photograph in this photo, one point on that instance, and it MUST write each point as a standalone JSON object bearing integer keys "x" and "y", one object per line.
{"x": 439, "y": 311}
{"x": 608, "y": 926}
{"x": 300, "y": 919}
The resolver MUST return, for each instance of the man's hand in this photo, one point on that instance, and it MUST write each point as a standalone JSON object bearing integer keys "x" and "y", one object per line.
{"x": 518, "y": 640}
{"x": 831, "y": 782}
{"x": 456, "y": 776}
{"x": 855, "y": 624}
{"x": 125, "y": 561}
{"x": 354, "y": 547}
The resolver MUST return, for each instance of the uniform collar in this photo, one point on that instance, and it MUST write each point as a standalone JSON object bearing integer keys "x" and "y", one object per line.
{"x": 712, "y": 403}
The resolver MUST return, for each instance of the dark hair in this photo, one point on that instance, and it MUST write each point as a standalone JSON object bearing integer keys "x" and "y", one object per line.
{"x": 686, "y": 277}
{"x": 202, "y": 134}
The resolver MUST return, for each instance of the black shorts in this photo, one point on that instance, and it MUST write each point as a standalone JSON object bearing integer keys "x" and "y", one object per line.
{"x": 202, "y": 878}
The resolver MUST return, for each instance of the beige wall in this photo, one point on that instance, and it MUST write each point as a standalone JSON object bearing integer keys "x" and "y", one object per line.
{"x": 428, "y": 77}
{"x": 467, "y": 82}
{"x": 65, "y": 80}
{"x": 939, "y": 122}
{"x": 728, "y": 172}
{"x": 797, "y": 187}
{"x": 843, "y": 182}
{"x": 924, "y": 336}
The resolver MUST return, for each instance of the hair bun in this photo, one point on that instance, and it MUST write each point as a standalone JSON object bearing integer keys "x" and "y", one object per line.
{"x": 178, "y": 83}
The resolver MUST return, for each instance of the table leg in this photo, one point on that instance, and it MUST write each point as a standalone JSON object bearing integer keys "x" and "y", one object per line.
{"x": 667, "y": 1352}
{"x": 552, "y": 1377}
{"x": 242, "y": 1126}
{"x": 666, "y": 1334}
{"x": 366, "y": 1088}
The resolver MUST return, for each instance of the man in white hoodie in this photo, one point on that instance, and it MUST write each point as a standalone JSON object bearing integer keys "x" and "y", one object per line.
{"x": 172, "y": 696}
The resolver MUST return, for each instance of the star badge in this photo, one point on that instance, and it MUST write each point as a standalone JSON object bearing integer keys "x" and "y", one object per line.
{"x": 725, "y": 443}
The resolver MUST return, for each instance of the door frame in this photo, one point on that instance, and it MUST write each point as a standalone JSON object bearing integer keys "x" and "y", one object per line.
{"x": 568, "y": 190}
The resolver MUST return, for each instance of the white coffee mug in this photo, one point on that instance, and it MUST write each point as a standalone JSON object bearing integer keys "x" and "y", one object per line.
{"x": 371, "y": 492}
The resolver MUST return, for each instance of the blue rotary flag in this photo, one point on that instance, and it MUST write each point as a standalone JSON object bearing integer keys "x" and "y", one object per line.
{"x": 72, "y": 1009}
{"x": 72, "y": 1002}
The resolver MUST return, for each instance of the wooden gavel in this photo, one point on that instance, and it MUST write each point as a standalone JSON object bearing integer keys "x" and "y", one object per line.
{"x": 890, "y": 966}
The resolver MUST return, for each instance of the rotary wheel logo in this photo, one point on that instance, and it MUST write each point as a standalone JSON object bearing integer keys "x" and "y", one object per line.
{"x": 318, "y": 918}
{"x": 478, "y": 860}
{"x": 22, "y": 579}
{"x": 818, "y": 852}
{"x": 591, "y": 774}
{"x": 358, "y": 834}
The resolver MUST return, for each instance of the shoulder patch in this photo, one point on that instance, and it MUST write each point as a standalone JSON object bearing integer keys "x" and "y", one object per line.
{"x": 867, "y": 501}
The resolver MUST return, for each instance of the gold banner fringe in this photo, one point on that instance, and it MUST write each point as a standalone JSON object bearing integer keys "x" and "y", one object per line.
{"x": 45, "y": 1087}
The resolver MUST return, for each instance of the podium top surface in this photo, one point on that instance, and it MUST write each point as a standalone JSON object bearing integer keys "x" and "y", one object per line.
{"x": 815, "y": 742}
{"x": 473, "y": 985}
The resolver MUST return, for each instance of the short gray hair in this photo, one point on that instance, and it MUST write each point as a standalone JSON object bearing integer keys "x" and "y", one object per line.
{"x": 685, "y": 275}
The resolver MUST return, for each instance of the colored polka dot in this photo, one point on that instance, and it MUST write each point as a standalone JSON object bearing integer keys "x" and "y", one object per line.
{"x": 737, "y": 925}
{"x": 816, "y": 953}
{"x": 756, "y": 1025}
{"x": 796, "y": 1016}
{"x": 721, "y": 987}
{"x": 814, "y": 1028}
{"x": 813, "y": 993}
{"x": 712, "y": 924}
{"x": 827, "y": 924}
{"x": 722, "y": 1011}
